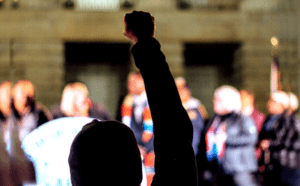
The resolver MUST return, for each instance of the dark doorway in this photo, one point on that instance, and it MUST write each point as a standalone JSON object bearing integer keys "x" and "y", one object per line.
{"x": 208, "y": 66}
{"x": 103, "y": 67}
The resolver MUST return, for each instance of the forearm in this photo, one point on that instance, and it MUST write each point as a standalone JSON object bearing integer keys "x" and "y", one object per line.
{"x": 164, "y": 101}
{"x": 175, "y": 162}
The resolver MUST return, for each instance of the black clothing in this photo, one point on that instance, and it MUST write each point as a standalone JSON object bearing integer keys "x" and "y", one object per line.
{"x": 275, "y": 129}
{"x": 289, "y": 156}
{"x": 292, "y": 144}
{"x": 175, "y": 162}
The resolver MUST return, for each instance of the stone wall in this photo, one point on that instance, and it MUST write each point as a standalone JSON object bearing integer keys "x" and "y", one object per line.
{"x": 42, "y": 63}
{"x": 39, "y": 29}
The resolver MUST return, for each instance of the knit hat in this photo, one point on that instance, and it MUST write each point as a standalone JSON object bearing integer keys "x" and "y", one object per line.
{"x": 281, "y": 97}
{"x": 105, "y": 153}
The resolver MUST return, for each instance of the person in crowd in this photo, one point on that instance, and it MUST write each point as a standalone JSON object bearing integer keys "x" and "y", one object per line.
{"x": 5, "y": 119}
{"x": 27, "y": 115}
{"x": 175, "y": 162}
{"x": 128, "y": 96}
{"x": 290, "y": 154}
{"x": 249, "y": 109}
{"x": 136, "y": 114}
{"x": 5, "y": 109}
{"x": 75, "y": 102}
{"x": 230, "y": 140}
{"x": 188, "y": 101}
{"x": 195, "y": 110}
{"x": 272, "y": 137}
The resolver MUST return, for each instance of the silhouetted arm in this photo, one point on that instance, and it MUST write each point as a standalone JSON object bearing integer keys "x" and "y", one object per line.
{"x": 175, "y": 162}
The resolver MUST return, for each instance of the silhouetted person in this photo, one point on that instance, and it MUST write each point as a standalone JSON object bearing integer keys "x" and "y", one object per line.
{"x": 273, "y": 135}
{"x": 111, "y": 146}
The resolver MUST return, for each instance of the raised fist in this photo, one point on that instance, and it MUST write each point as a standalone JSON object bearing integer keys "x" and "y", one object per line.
{"x": 139, "y": 25}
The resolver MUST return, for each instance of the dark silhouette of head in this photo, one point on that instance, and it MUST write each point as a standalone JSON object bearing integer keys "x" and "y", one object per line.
{"x": 140, "y": 23}
{"x": 105, "y": 153}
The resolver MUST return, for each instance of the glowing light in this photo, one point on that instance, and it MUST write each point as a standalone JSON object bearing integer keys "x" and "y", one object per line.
{"x": 274, "y": 41}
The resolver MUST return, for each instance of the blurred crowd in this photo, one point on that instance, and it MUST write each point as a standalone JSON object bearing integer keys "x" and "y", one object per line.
{"x": 238, "y": 145}
{"x": 20, "y": 114}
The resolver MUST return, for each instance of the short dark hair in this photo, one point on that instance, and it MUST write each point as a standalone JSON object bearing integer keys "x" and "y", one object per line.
{"x": 105, "y": 153}
{"x": 140, "y": 23}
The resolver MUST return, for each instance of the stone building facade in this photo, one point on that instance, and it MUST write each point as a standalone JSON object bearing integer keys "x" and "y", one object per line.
{"x": 34, "y": 35}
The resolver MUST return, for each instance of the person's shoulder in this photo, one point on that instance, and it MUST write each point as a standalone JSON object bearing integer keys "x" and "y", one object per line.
{"x": 249, "y": 124}
{"x": 242, "y": 119}
{"x": 246, "y": 117}
{"x": 41, "y": 109}
{"x": 210, "y": 120}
